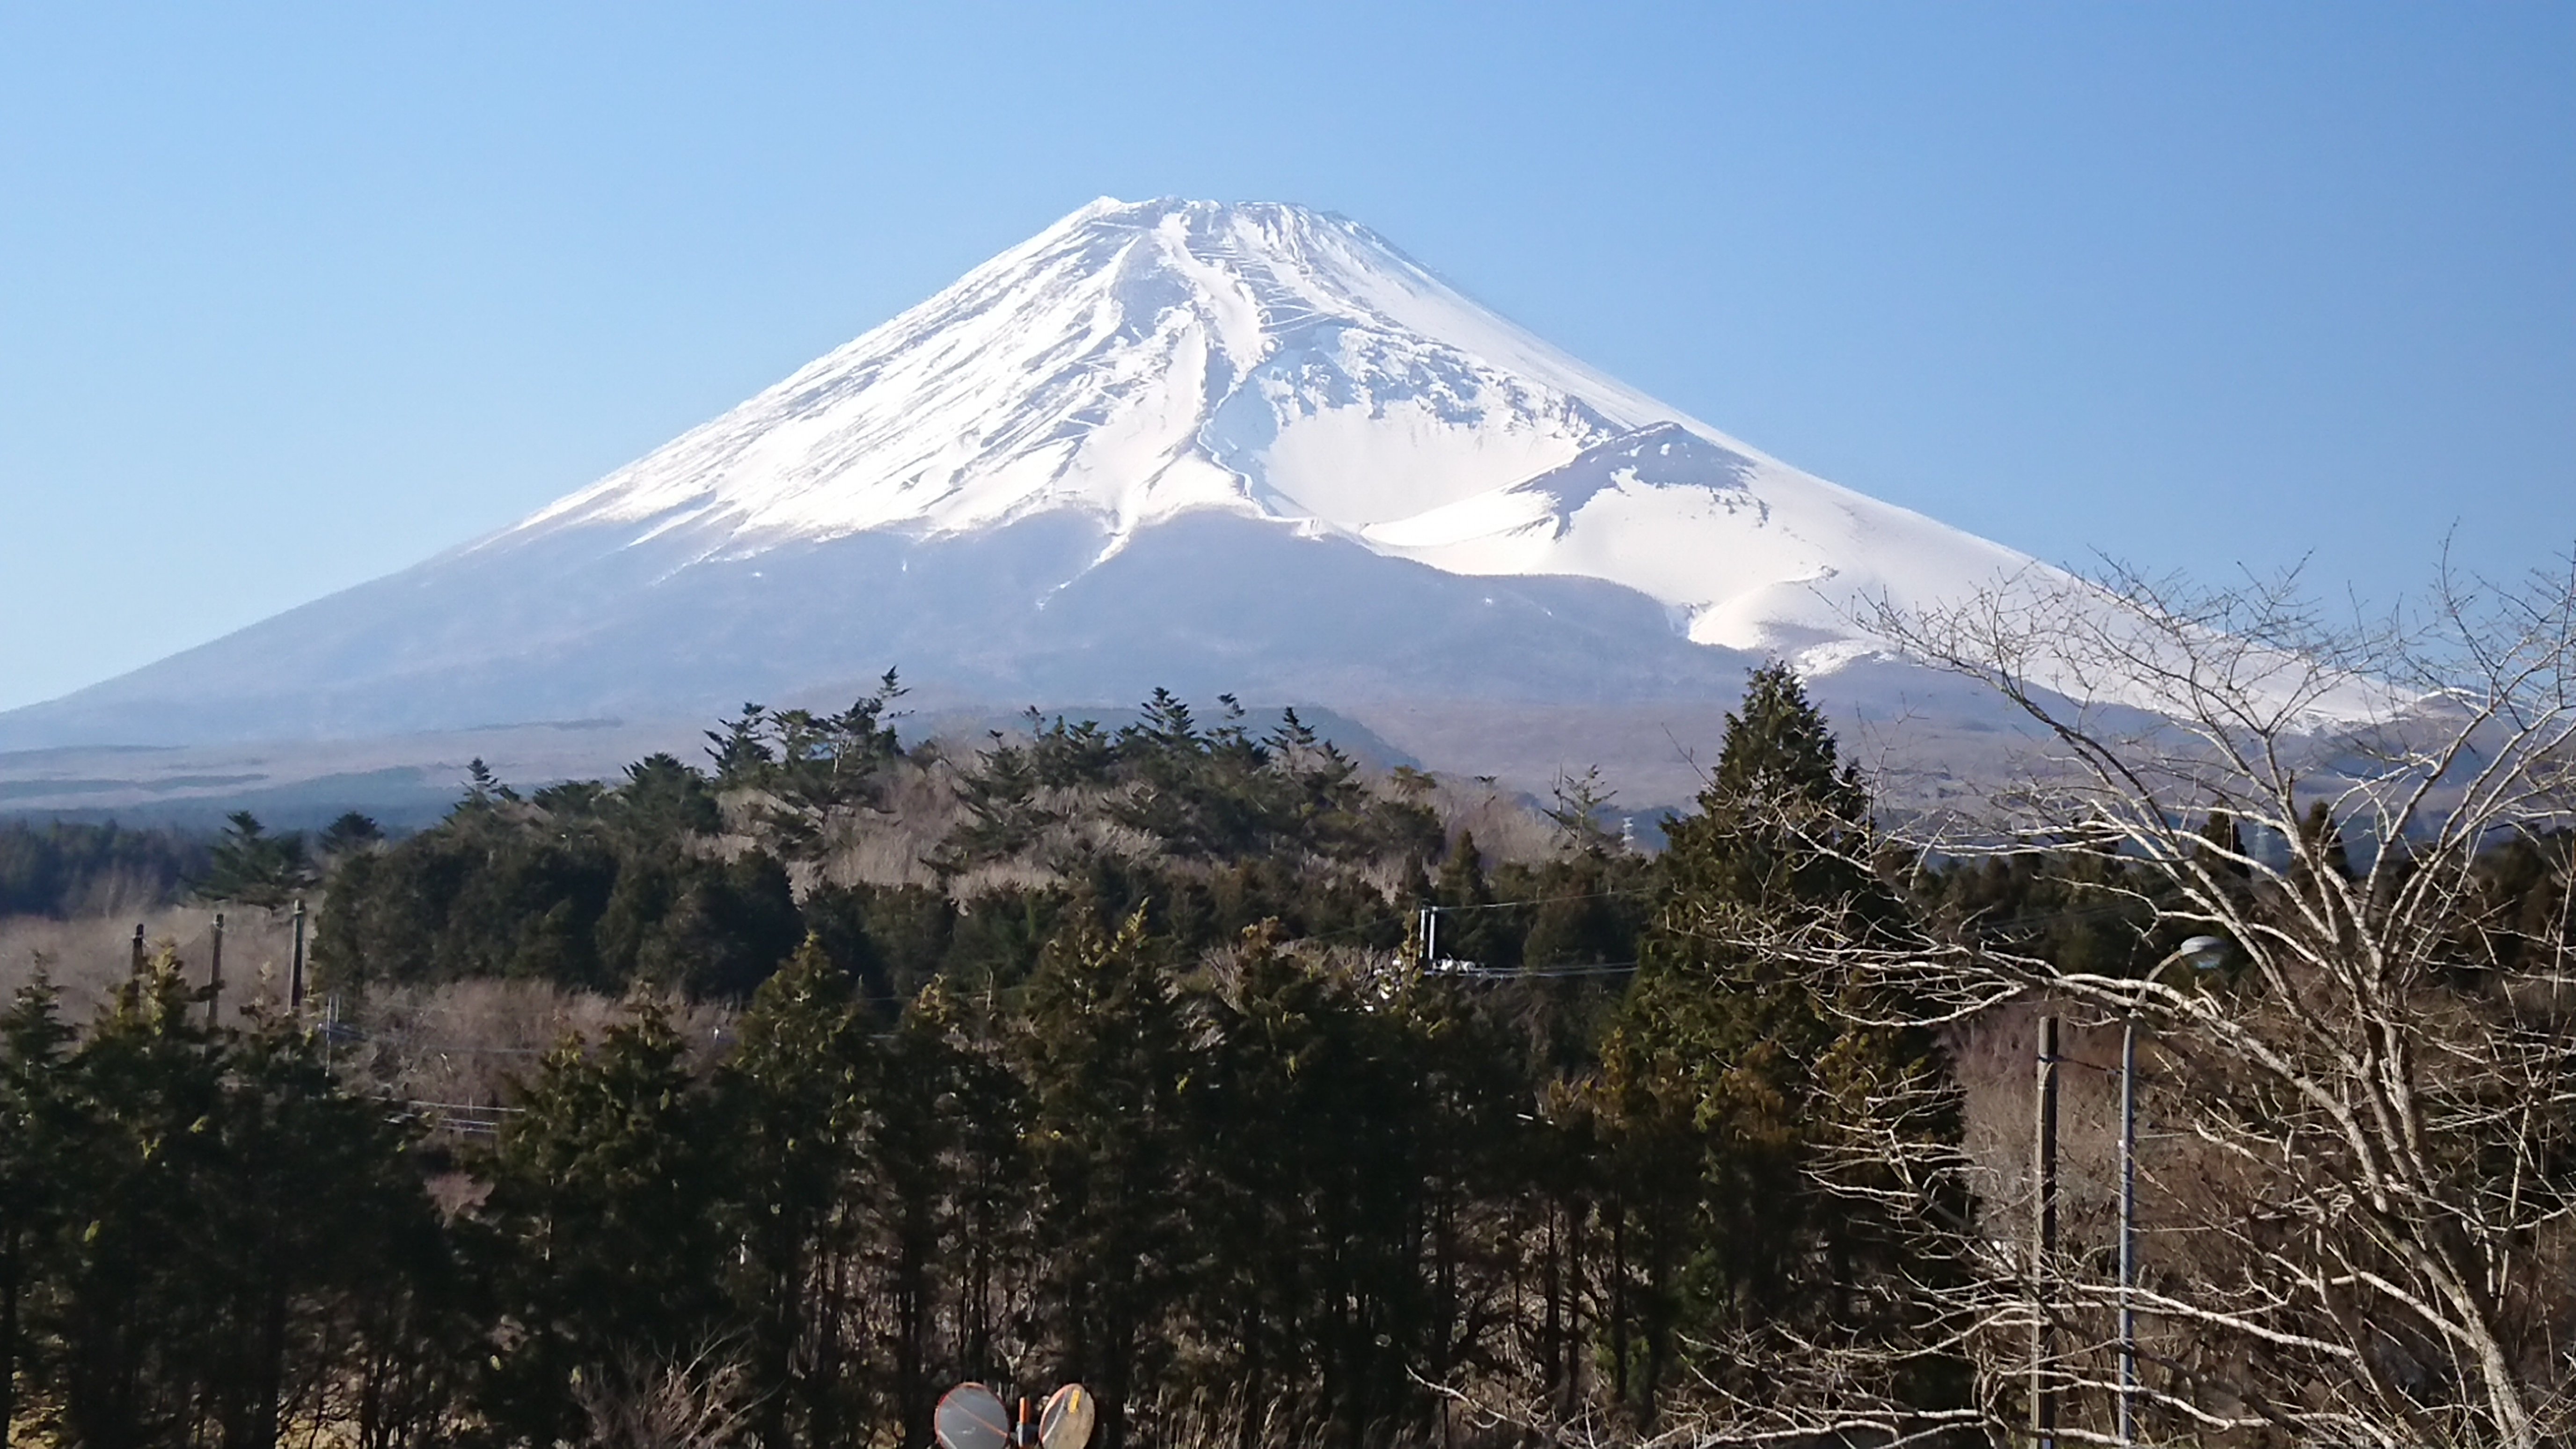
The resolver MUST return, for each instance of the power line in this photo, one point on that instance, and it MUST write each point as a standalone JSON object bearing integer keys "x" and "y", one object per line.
{"x": 1542, "y": 900}
{"x": 1476, "y": 972}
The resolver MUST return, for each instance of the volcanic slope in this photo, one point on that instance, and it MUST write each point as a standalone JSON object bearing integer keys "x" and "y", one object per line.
{"x": 1249, "y": 447}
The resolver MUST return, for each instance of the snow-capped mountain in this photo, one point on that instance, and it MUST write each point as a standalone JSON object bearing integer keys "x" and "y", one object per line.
{"x": 1137, "y": 362}
{"x": 1247, "y": 447}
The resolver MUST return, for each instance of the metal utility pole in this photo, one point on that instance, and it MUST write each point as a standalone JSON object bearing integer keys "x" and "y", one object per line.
{"x": 295, "y": 980}
{"x": 2043, "y": 1245}
{"x": 2126, "y": 1428}
{"x": 215, "y": 978}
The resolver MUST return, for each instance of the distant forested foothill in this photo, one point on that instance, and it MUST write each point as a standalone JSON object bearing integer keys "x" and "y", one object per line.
{"x": 1103, "y": 1055}
{"x": 61, "y": 869}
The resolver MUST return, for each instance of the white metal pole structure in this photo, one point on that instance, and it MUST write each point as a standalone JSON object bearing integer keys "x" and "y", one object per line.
{"x": 2203, "y": 952}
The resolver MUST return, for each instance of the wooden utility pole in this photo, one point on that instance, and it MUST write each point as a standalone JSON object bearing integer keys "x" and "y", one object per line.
{"x": 2043, "y": 1238}
{"x": 137, "y": 966}
{"x": 295, "y": 979}
{"x": 215, "y": 977}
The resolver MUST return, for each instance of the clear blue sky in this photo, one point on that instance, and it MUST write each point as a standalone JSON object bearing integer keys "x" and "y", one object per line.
{"x": 294, "y": 296}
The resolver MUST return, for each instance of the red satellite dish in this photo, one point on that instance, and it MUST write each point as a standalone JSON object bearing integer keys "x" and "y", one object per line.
{"x": 971, "y": 1416}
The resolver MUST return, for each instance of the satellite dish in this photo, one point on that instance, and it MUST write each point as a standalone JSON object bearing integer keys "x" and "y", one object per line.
{"x": 971, "y": 1416}
{"x": 1066, "y": 1421}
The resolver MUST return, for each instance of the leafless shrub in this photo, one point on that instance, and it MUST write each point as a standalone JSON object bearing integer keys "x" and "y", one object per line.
{"x": 465, "y": 1047}
{"x": 1506, "y": 825}
{"x": 1208, "y": 1419}
{"x": 890, "y": 845}
{"x": 697, "y": 1403}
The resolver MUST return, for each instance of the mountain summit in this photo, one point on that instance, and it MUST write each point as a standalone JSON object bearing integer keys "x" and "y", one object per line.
{"x": 1139, "y": 361}
{"x": 1248, "y": 447}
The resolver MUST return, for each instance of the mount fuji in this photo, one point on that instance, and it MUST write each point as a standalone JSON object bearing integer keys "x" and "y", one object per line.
{"x": 1245, "y": 447}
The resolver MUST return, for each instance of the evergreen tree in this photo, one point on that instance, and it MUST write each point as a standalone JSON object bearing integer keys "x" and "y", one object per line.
{"x": 1723, "y": 1076}
{"x": 135, "y": 1322}
{"x": 793, "y": 1100}
{"x": 915, "y": 1194}
{"x": 230, "y": 1222}
{"x": 33, "y": 1186}
{"x": 254, "y": 868}
{"x": 1469, "y": 927}
{"x": 1104, "y": 1057}
{"x": 2323, "y": 835}
{"x": 609, "y": 1254}
{"x": 348, "y": 834}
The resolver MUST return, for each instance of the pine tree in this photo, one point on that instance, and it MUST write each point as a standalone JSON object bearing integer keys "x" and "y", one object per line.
{"x": 1723, "y": 1076}
{"x": 605, "y": 1227}
{"x": 794, "y": 1105}
{"x": 33, "y": 1155}
{"x": 1469, "y": 927}
{"x": 255, "y": 868}
{"x": 1105, "y": 1064}
{"x": 231, "y": 1222}
{"x": 349, "y": 834}
{"x": 135, "y": 1320}
{"x": 938, "y": 1195}
{"x": 2323, "y": 836}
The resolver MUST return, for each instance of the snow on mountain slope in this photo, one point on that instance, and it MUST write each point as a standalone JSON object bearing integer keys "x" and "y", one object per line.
{"x": 1135, "y": 362}
{"x": 1216, "y": 447}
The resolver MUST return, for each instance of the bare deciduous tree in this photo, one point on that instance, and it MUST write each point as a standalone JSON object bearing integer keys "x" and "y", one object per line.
{"x": 2358, "y": 1199}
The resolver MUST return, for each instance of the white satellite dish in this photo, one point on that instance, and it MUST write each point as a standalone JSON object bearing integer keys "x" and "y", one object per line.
{"x": 1067, "y": 1420}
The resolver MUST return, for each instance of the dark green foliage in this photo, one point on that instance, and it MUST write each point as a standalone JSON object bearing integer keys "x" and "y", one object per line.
{"x": 1200, "y": 793}
{"x": 600, "y": 886}
{"x": 509, "y": 891}
{"x": 663, "y": 798}
{"x": 1163, "y": 1182}
{"x": 579, "y": 884}
{"x": 1106, "y": 1068}
{"x": 806, "y": 766}
{"x": 251, "y": 867}
{"x": 1726, "y": 1075}
{"x": 347, "y": 835}
{"x": 1003, "y": 816}
{"x": 64, "y": 870}
{"x": 2515, "y": 921}
{"x": 711, "y": 929}
{"x": 36, "y": 1195}
{"x": 2323, "y": 834}
{"x": 206, "y": 1241}
{"x": 794, "y": 1102}
{"x": 607, "y": 1238}
{"x": 1174, "y": 1110}
{"x": 2082, "y": 909}
{"x": 892, "y": 940}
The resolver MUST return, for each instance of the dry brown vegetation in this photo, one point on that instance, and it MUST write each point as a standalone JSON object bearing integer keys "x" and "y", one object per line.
{"x": 88, "y": 956}
{"x": 464, "y": 1044}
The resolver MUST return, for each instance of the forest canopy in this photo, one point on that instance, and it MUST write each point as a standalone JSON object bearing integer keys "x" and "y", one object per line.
{"x": 1196, "y": 1062}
